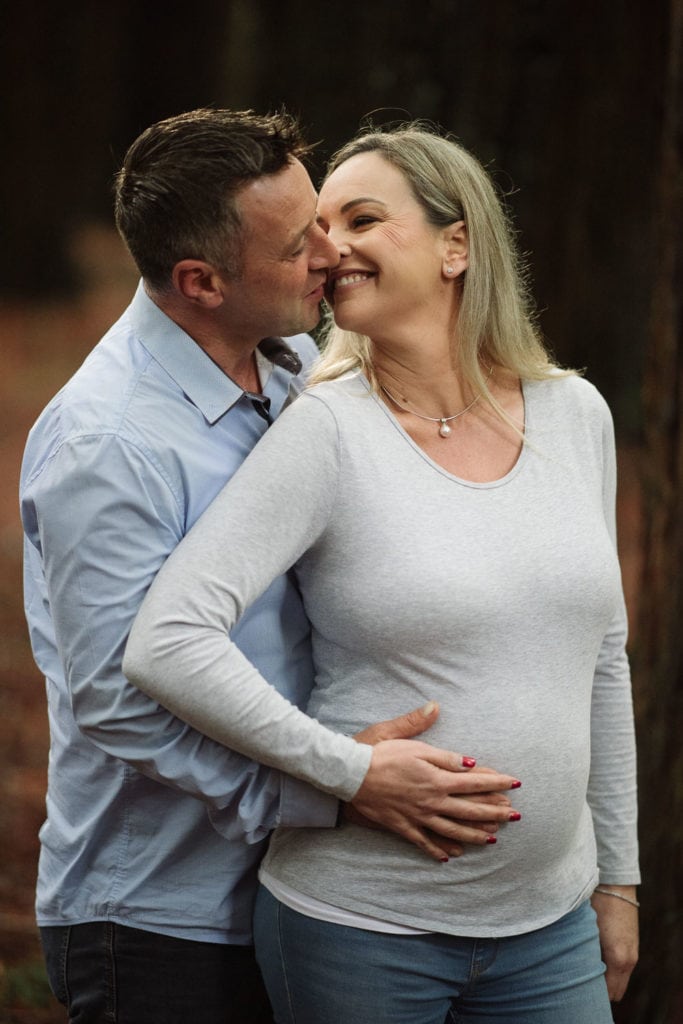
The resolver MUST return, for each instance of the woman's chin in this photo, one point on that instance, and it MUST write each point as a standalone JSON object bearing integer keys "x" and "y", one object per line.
{"x": 347, "y": 322}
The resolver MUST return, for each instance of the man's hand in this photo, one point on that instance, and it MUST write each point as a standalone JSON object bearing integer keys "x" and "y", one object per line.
{"x": 618, "y": 927}
{"x": 433, "y": 798}
{"x": 405, "y": 727}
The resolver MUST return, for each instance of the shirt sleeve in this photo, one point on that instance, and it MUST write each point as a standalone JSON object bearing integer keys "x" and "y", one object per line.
{"x": 100, "y": 520}
{"x": 274, "y": 508}
{"x": 612, "y": 785}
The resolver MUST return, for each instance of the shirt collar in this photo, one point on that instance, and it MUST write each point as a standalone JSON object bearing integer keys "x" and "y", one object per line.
{"x": 204, "y": 383}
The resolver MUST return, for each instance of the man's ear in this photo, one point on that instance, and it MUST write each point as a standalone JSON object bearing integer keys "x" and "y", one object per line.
{"x": 199, "y": 282}
{"x": 456, "y": 249}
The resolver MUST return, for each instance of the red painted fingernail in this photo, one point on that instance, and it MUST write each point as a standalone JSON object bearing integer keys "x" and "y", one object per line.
{"x": 444, "y": 860}
{"x": 468, "y": 762}
{"x": 514, "y": 816}
{"x": 516, "y": 784}
{"x": 491, "y": 839}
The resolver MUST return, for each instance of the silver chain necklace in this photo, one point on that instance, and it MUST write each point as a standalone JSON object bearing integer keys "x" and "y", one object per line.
{"x": 443, "y": 421}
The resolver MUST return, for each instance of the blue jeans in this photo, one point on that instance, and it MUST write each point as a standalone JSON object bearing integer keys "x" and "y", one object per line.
{"x": 321, "y": 973}
{"x": 106, "y": 973}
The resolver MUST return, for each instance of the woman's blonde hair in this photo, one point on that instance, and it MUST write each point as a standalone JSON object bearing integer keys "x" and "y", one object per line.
{"x": 495, "y": 322}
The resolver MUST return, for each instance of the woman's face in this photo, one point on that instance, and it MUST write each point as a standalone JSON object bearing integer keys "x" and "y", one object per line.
{"x": 392, "y": 260}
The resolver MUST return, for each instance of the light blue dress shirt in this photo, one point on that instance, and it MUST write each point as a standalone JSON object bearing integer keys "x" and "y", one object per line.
{"x": 149, "y": 824}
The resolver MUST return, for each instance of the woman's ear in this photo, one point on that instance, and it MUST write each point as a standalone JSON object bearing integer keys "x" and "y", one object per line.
{"x": 456, "y": 249}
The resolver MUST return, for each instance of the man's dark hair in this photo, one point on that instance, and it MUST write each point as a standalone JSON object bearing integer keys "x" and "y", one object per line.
{"x": 176, "y": 191}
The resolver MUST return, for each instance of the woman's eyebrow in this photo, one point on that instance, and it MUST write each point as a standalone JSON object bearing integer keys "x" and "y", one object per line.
{"x": 363, "y": 199}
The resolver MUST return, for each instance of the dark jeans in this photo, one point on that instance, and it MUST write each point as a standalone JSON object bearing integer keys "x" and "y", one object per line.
{"x": 106, "y": 973}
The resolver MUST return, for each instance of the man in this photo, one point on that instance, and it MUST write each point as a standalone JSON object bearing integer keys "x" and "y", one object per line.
{"x": 153, "y": 832}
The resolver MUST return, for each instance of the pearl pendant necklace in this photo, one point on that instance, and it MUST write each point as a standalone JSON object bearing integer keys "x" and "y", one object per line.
{"x": 443, "y": 421}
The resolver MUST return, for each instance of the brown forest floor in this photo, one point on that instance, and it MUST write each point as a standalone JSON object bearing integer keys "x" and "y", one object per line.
{"x": 41, "y": 346}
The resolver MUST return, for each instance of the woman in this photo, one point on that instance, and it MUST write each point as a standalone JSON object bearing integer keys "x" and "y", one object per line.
{"x": 446, "y": 495}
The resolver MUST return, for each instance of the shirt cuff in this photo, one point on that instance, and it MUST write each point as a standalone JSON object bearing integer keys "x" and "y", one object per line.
{"x": 304, "y": 806}
{"x": 631, "y": 877}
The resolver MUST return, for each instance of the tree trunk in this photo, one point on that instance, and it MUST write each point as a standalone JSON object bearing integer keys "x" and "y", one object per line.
{"x": 657, "y": 993}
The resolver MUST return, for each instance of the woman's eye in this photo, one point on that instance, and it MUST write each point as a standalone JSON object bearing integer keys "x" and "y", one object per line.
{"x": 360, "y": 222}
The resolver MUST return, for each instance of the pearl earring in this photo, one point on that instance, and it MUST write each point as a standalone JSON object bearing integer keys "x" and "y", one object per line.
{"x": 449, "y": 270}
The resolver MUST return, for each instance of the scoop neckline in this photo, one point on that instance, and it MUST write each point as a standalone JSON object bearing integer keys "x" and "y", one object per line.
{"x": 462, "y": 481}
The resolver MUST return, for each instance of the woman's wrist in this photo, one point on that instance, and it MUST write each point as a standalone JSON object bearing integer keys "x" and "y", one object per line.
{"x": 627, "y": 893}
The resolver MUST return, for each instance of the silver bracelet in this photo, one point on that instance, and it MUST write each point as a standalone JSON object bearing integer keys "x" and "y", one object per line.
{"x": 619, "y": 896}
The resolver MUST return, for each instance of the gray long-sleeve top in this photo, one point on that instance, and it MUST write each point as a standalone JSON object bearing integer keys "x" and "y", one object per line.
{"x": 501, "y": 600}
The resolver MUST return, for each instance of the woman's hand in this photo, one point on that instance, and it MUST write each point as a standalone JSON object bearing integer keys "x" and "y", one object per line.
{"x": 434, "y": 798}
{"x": 618, "y": 927}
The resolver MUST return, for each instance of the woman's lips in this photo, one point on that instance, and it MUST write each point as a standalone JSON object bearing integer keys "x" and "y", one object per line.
{"x": 352, "y": 277}
{"x": 349, "y": 279}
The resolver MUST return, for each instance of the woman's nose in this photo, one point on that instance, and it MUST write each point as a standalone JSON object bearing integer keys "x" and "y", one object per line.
{"x": 341, "y": 243}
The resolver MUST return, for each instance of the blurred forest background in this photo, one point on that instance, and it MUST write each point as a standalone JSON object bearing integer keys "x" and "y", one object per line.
{"x": 576, "y": 108}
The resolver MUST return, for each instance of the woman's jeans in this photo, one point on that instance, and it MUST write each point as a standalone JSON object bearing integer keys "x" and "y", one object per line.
{"x": 321, "y": 973}
{"x": 106, "y": 973}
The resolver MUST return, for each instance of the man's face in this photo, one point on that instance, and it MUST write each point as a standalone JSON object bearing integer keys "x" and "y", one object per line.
{"x": 285, "y": 256}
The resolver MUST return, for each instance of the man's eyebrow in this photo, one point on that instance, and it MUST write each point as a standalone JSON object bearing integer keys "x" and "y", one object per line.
{"x": 362, "y": 199}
